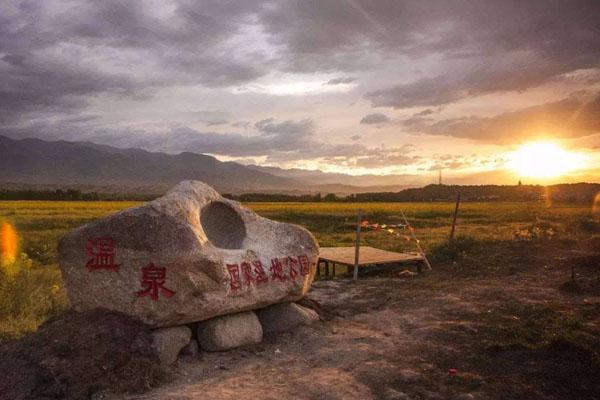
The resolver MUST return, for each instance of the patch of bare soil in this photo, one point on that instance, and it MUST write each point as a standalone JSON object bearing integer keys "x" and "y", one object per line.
{"x": 77, "y": 356}
{"x": 510, "y": 335}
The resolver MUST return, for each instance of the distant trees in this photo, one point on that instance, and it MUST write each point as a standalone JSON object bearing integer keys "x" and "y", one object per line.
{"x": 59, "y": 194}
{"x": 576, "y": 192}
{"x": 330, "y": 197}
{"x": 274, "y": 197}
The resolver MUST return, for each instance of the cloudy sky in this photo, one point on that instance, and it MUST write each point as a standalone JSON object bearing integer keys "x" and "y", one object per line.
{"x": 380, "y": 86}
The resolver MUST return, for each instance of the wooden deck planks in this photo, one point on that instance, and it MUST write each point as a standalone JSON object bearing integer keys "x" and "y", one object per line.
{"x": 368, "y": 256}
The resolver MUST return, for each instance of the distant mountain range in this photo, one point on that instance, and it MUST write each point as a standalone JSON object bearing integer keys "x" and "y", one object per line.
{"x": 329, "y": 178}
{"x": 39, "y": 164}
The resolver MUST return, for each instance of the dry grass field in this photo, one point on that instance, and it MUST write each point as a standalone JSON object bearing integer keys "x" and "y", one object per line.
{"x": 499, "y": 305}
{"x": 37, "y": 291}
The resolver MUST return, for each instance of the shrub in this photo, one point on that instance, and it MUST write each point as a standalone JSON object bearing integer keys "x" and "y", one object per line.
{"x": 28, "y": 297}
{"x": 585, "y": 225}
{"x": 460, "y": 246}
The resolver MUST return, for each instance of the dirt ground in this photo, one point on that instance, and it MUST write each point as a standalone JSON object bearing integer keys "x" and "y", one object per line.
{"x": 75, "y": 355}
{"x": 515, "y": 334}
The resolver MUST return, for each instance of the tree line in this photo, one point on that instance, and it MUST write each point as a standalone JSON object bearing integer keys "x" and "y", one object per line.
{"x": 577, "y": 192}
{"x": 71, "y": 195}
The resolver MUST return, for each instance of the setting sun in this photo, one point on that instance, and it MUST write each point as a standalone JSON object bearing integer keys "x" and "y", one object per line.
{"x": 543, "y": 160}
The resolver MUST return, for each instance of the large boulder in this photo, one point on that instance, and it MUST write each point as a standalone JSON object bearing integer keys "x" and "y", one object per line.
{"x": 230, "y": 331}
{"x": 188, "y": 256}
{"x": 285, "y": 317}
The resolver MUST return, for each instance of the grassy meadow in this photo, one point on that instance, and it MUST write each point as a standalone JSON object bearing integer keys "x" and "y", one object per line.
{"x": 31, "y": 289}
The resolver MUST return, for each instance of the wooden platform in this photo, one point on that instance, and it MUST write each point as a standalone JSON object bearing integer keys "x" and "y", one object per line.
{"x": 368, "y": 256}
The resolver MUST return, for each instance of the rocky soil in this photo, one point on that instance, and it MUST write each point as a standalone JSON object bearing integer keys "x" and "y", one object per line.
{"x": 517, "y": 328}
{"x": 441, "y": 335}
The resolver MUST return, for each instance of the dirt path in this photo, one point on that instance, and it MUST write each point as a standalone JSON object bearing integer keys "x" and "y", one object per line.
{"x": 388, "y": 338}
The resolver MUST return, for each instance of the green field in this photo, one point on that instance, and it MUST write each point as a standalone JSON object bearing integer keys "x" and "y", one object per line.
{"x": 36, "y": 292}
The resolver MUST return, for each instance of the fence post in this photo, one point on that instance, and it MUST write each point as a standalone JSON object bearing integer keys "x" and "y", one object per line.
{"x": 357, "y": 245}
{"x": 454, "y": 219}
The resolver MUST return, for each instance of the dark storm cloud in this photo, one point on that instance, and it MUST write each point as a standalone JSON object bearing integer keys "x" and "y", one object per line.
{"x": 212, "y": 117}
{"x": 241, "y": 124}
{"x": 415, "y": 123}
{"x": 531, "y": 41}
{"x": 340, "y": 81}
{"x": 520, "y": 75}
{"x": 318, "y": 35}
{"x": 425, "y": 112}
{"x": 274, "y": 137}
{"x": 500, "y": 46}
{"x": 271, "y": 127}
{"x": 53, "y": 86}
{"x": 376, "y": 118}
{"x": 575, "y": 116}
{"x": 277, "y": 141}
{"x": 55, "y": 56}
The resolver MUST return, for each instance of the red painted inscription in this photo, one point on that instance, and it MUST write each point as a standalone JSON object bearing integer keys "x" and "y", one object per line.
{"x": 153, "y": 279}
{"x": 102, "y": 251}
{"x": 281, "y": 270}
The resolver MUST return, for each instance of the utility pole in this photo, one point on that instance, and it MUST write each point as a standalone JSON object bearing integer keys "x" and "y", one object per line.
{"x": 440, "y": 177}
{"x": 357, "y": 244}
{"x": 454, "y": 218}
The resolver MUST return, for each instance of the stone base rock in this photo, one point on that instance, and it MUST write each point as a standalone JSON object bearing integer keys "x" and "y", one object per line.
{"x": 168, "y": 342}
{"x": 285, "y": 317}
{"x": 230, "y": 331}
{"x": 191, "y": 350}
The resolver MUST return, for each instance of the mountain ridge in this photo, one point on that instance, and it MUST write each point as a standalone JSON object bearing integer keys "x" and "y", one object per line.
{"x": 32, "y": 163}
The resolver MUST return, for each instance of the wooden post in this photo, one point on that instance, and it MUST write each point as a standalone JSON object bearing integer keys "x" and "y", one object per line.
{"x": 414, "y": 237}
{"x": 357, "y": 245}
{"x": 326, "y": 269}
{"x": 318, "y": 269}
{"x": 454, "y": 219}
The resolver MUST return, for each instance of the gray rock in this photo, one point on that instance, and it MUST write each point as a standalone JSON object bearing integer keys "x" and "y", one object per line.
{"x": 285, "y": 317}
{"x": 191, "y": 349}
{"x": 464, "y": 396}
{"x": 409, "y": 376}
{"x": 230, "y": 331}
{"x": 168, "y": 342}
{"x": 392, "y": 394}
{"x": 188, "y": 256}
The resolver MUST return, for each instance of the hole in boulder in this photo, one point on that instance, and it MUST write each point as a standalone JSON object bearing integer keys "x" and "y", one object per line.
{"x": 222, "y": 225}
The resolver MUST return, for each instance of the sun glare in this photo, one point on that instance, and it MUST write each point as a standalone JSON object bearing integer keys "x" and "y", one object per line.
{"x": 543, "y": 160}
{"x": 8, "y": 244}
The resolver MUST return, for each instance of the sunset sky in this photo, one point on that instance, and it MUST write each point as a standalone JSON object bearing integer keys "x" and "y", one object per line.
{"x": 488, "y": 91}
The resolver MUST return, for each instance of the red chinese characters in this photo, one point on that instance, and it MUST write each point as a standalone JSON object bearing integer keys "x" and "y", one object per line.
{"x": 259, "y": 271}
{"x": 153, "y": 279}
{"x": 277, "y": 270}
{"x": 292, "y": 267}
{"x": 304, "y": 265}
{"x": 284, "y": 269}
{"x": 102, "y": 251}
{"x": 234, "y": 277}
{"x": 247, "y": 273}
